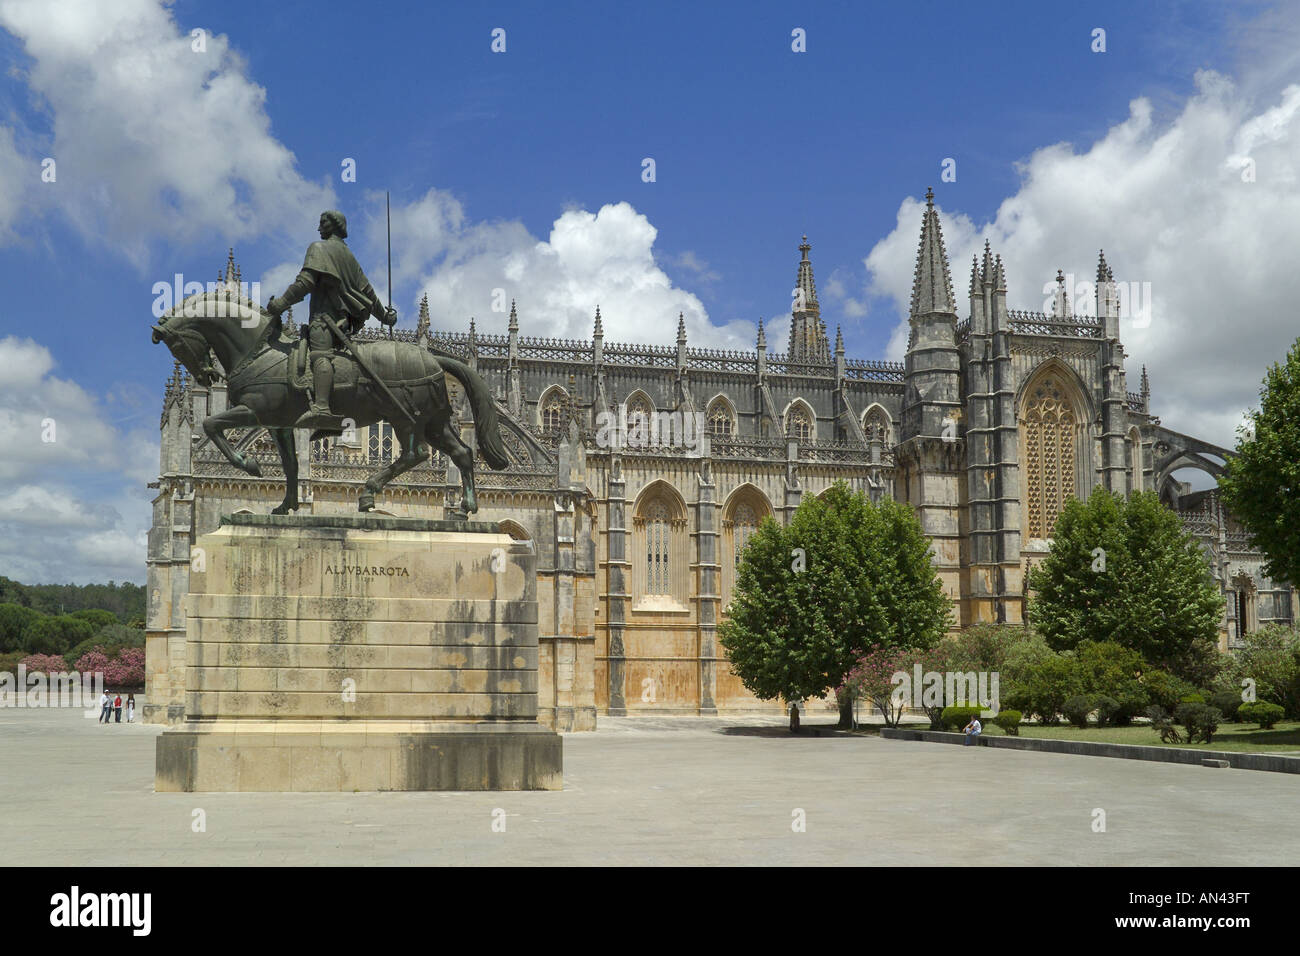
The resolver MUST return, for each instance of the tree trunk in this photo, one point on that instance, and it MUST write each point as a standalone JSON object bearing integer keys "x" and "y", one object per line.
{"x": 846, "y": 711}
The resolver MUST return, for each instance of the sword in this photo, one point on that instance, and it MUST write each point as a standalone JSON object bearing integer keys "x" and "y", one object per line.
{"x": 365, "y": 366}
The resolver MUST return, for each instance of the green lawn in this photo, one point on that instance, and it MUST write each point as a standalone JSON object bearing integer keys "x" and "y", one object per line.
{"x": 1283, "y": 738}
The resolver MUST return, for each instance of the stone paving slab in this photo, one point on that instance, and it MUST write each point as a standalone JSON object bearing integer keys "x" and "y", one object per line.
{"x": 654, "y": 791}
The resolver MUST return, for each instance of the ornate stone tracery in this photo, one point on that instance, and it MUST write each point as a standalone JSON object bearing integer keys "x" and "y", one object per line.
{"x": 1049, "y": 451}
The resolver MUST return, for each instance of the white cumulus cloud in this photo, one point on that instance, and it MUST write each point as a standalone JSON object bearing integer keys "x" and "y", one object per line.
{"x": 75, "y": 506}
{"x": 1206, "y": 239}
{"x": 152, "y": 139}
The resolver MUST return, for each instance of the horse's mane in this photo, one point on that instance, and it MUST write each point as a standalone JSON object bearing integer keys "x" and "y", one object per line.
{"x": 227, "y": 302}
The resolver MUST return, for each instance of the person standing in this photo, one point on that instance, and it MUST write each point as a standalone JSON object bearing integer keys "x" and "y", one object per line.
{"x": 117, "y": 707}
{"x": 130, "y": 708}
{"x": 104, "y": 703}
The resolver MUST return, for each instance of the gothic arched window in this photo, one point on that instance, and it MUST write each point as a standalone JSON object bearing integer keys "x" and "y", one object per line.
{"x": 875, "y": 425}
{"x": 799, "y": 423}
{"x": 552, "y": 411}
{"x": 720, "y": 421}
{"x": 660, "y": 549}
{"x": 738, "y": 526}
{"x": 1049, "y": 452}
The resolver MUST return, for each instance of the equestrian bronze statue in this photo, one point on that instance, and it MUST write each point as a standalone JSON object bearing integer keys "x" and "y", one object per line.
{"x": 353, "y": 384}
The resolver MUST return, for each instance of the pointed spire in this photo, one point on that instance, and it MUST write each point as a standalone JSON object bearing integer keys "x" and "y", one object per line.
{"x": 762, "y": 336}
{"x": 472, "y": 335}
{"x": 931, "y": 286}
{"x": 975, "y": 280}
{"x": 681, "y": 329}
{"x": 839, "y": 341}
{"x": 422, "y": 323}
{"x": 986, "y": 270}
{"x": 999, "y": 275}
{"x": 514, "y": 317}
{"x": 1061, "y": 301}
{"x": 230, "y": 265}
{"x": 804, "y": 281}
{"x": 1103, "y": 270}
{"x": 1146, "y": 383}
{"x": 600, "y": 328}
{"x": 807, "y": 331}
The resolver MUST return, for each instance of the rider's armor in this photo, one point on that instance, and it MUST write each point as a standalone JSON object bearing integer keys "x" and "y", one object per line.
{"x": 338, "y": 288}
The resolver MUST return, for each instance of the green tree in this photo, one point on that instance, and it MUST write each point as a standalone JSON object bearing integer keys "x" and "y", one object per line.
{"x": 811, "y": 598}
{"x": 1115, "y": 671}
{"x": 97, "y": 618}
{"x": 54, "y": 634}
{"x": 1261, "y": 486}
{"x": 1126, "y": 571}
{"x": 1269, "y": 661}
{"x": 14, "y": 621}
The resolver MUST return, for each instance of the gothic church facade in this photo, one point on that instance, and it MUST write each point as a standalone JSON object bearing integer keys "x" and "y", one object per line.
{"x": 993, "y": 421}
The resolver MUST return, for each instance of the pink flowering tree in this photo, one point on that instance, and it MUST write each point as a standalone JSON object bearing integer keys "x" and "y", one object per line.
{"x": 873, "y": 678}
{"x": 127, "y": 669}
{"x": 44, "y": 664}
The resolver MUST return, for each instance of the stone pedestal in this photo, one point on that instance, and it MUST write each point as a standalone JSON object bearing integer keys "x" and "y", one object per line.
{"x": 360, "y": 653}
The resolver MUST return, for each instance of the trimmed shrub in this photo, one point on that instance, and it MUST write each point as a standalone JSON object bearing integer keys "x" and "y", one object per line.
{"x": 1261, "y": 712}
{"x": 1165, "y": 690}
{"x": 955, "y": 718}
{"x": 1076, "y": 710}
{"x": 1200, "y": 720}
{"x": 1229, "y": 702}
{"x": 1109, "y": 712}
{"x": 1009, "y": 721}
{"x": 1042, "y": 687}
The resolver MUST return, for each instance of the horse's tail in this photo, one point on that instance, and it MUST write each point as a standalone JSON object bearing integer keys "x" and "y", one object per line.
{"x": 486, "y": 427}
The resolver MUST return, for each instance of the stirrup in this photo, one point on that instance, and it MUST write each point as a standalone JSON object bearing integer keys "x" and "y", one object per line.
{"x": 321, "y": 418}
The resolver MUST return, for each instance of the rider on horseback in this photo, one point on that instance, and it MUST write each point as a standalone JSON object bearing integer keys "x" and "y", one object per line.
{"x": 338, "y": 288}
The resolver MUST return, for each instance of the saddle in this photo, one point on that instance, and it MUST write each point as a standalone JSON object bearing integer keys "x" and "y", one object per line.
{"x": 299, "y": 365}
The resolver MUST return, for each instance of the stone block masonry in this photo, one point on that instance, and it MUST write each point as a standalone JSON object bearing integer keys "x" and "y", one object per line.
{"x": 360, "y": 653}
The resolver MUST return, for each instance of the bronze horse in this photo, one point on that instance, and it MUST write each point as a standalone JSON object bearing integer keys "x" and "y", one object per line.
{"x": 261, "y": 391}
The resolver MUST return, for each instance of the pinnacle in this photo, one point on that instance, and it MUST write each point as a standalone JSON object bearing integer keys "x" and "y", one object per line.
{"x": 932, "y": 285}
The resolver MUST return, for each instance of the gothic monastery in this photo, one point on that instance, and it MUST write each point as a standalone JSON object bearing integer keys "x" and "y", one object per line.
{"x": 991, "y": 423}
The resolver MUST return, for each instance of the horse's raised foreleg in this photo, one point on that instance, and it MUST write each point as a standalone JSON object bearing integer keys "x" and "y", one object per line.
{"x": 289, "y": 461}
{"x": 414, "y": 451}
{"x": 462, "y": 456}
{"x": 215, "y": 426}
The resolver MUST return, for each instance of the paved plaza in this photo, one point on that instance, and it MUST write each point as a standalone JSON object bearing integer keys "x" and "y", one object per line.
{"x": 654, "y": 792}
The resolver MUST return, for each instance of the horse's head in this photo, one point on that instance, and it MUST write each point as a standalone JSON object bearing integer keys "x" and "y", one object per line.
{"x": 185, "y": 340}
{"x": 218, "y": 321}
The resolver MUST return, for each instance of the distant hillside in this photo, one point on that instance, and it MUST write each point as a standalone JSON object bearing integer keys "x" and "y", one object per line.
{"x": 126, "y": 601}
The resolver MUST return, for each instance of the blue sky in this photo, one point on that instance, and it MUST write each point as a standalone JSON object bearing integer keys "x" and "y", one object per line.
{"x": 523, "y": 170}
